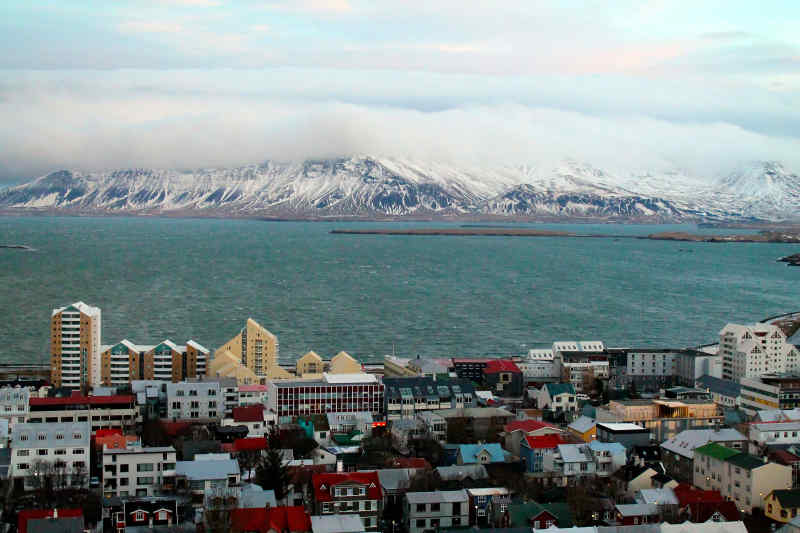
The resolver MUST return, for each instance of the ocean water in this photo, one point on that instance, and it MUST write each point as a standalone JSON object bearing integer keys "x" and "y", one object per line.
{"x": 431, "y": 296}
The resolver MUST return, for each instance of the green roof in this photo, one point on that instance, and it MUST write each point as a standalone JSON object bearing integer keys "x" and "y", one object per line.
{"x": 745, "y": 460}
{"x": 521, "y": 514}
{"x": 712, "y": 449}
{"x": 555, "y": 389}
{"x": 789, "y": 499}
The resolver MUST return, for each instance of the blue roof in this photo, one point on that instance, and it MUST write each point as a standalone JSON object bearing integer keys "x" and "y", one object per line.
{"x": 207, "y": 469}
{"x": 611, "y": 447}
{"x": 554, "y": 389}
{"x": 470, "y": 451}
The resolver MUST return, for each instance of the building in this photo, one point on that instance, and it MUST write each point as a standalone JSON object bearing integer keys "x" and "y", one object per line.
{"x": 14, "y": 404}
{"x": 50, "y": 521}
{"x": 625, "y": 433}
{"x": 256, "y": 349}
{"x": 349, "y": 493}
{"x": 252, "y": 394}
{"x": 738, "y": 476}
{"x": 539, "y": 516}
{"x": 539, "y": 366}
{"x": 557, "y": 397}
{"x": 678, "y": 452}
{"x": 651, "y": 369}
{"x": 57, "y": 449}
{"x": 271, "y": 519}
{"x": 503, "y": 377}
{"x": 665, "y": 418}
{"x": 572, "y": 463}
{"x": 332, "y": 393}
{"x": 344, "y": 363}
{"x": 124, "y": 362}
{"x": 608, "y": 457}
{"x": 479, "y": 423}
{"x": 470, "y": 369}
{"x": 138, "y": 471}
{"x": 482, "y": 454}
{"x": 227, "y": 365}
{"x": 691, "y": 364}
{"x": 102, "y": 412}
{"x": 434, "y": 425}
{"x": 405, "y": 397}
{"x": 632, "y": 514}
{"x": 536, "y": 452}
{"x": 431, "y": 511}
{"x": 723, "y": 391}
{"x": 584, "y": 428}
{"x": 75, "y": 346}
{"x": 485, "y": 504}
{"x": 250, "y": 416}
{"x": 345, "y": 523}
{"x": 782, "y": 505}
{"x": 515, "y": 432}
{"x": 750, "y": 350}
{"x": 208, "y": 475}
{"x": 579, "y": 360}
{"x": 770, "y": 391}
{"x": 200, "y": 401}
{"x": 772, "y": 433}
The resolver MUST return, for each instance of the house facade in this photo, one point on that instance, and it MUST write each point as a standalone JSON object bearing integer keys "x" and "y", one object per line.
{"x": 426, "y": 511}
{"x": 349, "y": 493}
{"x": 57, "y": 449}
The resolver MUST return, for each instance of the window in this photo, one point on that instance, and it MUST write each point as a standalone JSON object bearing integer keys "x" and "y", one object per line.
{"x": 421, "y": 508}
{"x": 144, "y": 467}
{"x": 435, "y": 507}
{"x": 41, "y": 451}
{"x": 77, "y": 436}
{"x": 59, "y": 436}
{"x": 60, "y": 451}
{"x": 23, "y": 453}
{"x": 23, "y": 437}
{"x": 144, "y": 480}
{"x": 421, "y": 523}
{"x": 139, "y": 516}
{"x": 42, "y": 436}
{"x": 123, "y": 468}
{"x": 77, "y": 451}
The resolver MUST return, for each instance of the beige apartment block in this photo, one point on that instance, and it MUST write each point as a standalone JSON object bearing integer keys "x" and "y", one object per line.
{"x": 125, "y": 361}
{"x": 310, "y": 365}
{"x": 75, "y": 346}
{"x": 256, "y": 348}
{"x": 344, "y": 363}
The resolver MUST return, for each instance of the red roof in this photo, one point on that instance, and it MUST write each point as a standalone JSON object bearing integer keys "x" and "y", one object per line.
{"x": 262, "y": 519}
{"x": 688, "y": 494}
{"x": 410, "y": 462}
{"x": 501, "y": 365}
{"x": 544, "y": 442}
{"x": 250, "y": 444}
{"x": 703, "y": 511}
{"x": 324, "y": 483}
{"x": 106, "y": 432}
{"x": 783, "y": 457}
{"x": 173, "y": 429}
{"x": 528, "y": 425}
{"x": 33, "y": 514}
{"x": 76, "y": 398}
{"x": 249, "y": 413}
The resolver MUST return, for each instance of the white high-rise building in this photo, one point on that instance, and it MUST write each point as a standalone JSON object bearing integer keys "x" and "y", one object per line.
{"x": 75, "y": 346}
{"x": 750, "y": 350}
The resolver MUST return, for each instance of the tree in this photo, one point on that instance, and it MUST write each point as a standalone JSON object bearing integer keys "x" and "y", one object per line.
{"x": 457, "y": 431}
{"x": 589, "y": 381}
{"x": 429, "y": 449}
{"x": 248, "y": 460}
{"x": 425, "y": 481}
{"x": 272, "y": 474}
{"x": 43, "y": 479}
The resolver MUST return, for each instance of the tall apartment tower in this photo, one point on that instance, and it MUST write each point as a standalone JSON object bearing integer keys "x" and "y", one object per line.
{"x": 755, "y": 349}
{"x": 75, "y": 346}
{"x": 255, "y": 348}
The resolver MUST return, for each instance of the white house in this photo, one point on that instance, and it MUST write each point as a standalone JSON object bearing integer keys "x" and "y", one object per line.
{"x": 14, "y": 404}
{"x": 208, "y": 474}
{"x": 750, "y": 350}
{"x": 50, "y": 449}
{"x": 775, "y": 433}
{"x": 138, "y": 471}
{"x": 425, "y": 511}
{"x": 200, "y": 401}
{"x": 557, "y": 397}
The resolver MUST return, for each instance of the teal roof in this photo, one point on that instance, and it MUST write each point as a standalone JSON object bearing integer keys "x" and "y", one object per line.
{"x": 745, "y": 460}
{"x": 554, "y": 389}
{"x": 470, "y": 451}
{"x": 521, "y": 514}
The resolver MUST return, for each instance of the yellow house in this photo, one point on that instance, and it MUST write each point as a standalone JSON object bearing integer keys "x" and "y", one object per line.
{"x": 343, "y": 363}
{"x": 584, "y": 428}
{"x": 782, "y": 505}
{"x": 227, "y": 365}
{"x": 311, "y": 364}
{"x": 255, "y": 348}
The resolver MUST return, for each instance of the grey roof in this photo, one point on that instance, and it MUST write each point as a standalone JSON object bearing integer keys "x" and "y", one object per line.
{"x": 253, "y": 497}
{"x": 459, "y": 473}
{"x": 66, "y": 430}
{"x": 439, "y": 496}
{"x": 657, "y": 496}
{"x": 393, "y": 479}
{"x": 686, "y": 441}
{"x": 582, "y": 424}
{"x": 204, "y": 469}
{"x": 637, "y": 509}
{"x": 338, "y": 523}
{"x": 574, "y": 453}
{"x": 61, "y": 525}
{"x": 777, "y": 426}
{"x": 135, "y": 450}
{"x": 356, "y": 417}
{"x": 777, "y": 415}
{"x": 474, "y": 412}
{"x": 724, "y": 387}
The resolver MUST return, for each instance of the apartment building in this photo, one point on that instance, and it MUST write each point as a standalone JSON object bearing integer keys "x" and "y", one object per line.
{"x": 209, "y": 475}
{"x": 775, "y": 433}
{"x": 725, "y": 392}
{"x": 470, "y": 368}
{"x": 228, "y": 387}
{"x": 125, "y": 362}
{"x": 75, "y": 346}
{"x": 539, "y": 365}
{"x": 407, "y": 396}
{"x": 138, "y": 471}
{"x": 332, "y": 393}
{"x": 432, "y": 511}
{"x": 665, "y": 418}
{"x": 738, "y": 476}
{"x": 256, "y": 349}
{"x": 200, "y": 401}
{"x": 650, "y": 369}
{"x": 252, "y": 394}
{"x": 576, "y": 359}
{"x": 349, "y": 493}
{"x": 677, "y": 453}
{"x": 101, "y": 412}
{"x": 770, "y": 391}
{"x": 56, "y": 450}
{"x": 691, "y": 364}
{"x": 749, "y": 350}
{"x": 14, "y": 404}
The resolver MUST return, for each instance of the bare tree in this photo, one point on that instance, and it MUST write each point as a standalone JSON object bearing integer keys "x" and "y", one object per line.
{"x": 79, "y": 474}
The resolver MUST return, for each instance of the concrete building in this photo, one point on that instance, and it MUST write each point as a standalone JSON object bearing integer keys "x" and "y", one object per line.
{"x": 770, "y": 391}
{"x": 138, "y": 471}
{"x": 775, "y": 433}
{"x": 651, "y": 369}
{"x": 209, "y": 475}
{"x": 625, "y": 433}
{"x": 252, "y": 394}
{"x": 749, "y": 350}
{"x": 539, "y": 366}
{"x": 693, "y": 363}
{"x": 470, "y": 368}
{"x": 125, "y": 362}
{"x": 723, "y": 391}
{"x": 14, "y": 404}
{"x": 200, "y": 401}
{"x": 101, "y": 412}
{"x": 256, "y": 349}
{"x": 664, "y": 418}
{"x": 405, "y": 397}
{"x": 738, "y": 476}
{"x": 332, "y": 393}
{"x": 677, "y": 453}
{"x": 60, "y": 450}
{"x": 75, "y": 346}
{"x": 431, "y": 511}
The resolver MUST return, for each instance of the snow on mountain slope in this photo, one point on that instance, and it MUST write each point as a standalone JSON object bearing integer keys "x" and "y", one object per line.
{"x": 370, "y": 186}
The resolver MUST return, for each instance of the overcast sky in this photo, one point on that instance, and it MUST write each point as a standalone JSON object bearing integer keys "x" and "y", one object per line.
{"x": 693, "y": 85}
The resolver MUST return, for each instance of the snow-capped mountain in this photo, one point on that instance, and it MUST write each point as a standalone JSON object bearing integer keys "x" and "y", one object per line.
{"x": 378, "y": 187}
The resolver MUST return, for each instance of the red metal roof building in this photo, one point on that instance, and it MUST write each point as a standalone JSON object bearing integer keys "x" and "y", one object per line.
{"x": 544, "y": 442}
{"x": 250, "y": 444}
{"x": 532, "y": 427}
{"x": 24, "y": 517}
{"x": 271, "y": 520}
{"x": 501, "y": 365}
{"x": 104, "y": 412}
{"x": 248, "y": 413}
{"x": 349, "y": 493}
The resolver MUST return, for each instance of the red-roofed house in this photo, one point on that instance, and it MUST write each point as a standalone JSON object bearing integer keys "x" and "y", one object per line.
{"x": 782, "y": 457}
{"x": 409, "y": 462}
{"x": 250, "y": 444}
{"x": 504, "y": 378}
{"x": 251, "y": 416}
{"x": 271, "y": 520}
{"x": 116, "y": 441}
{"x": 70, "y": 519}
{"x": 698, "y": 505}
{"x": 515, "y": 432}
{"x": 104, "y": 412}
{"x": 348, "y": 493}
{"x": 536, "y": 451}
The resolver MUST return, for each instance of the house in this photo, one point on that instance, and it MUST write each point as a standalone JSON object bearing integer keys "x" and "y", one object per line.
{"x": 271, "y": 520}
{"x": 608, "y": 457}
{"x": 632, "y": 478}
{"x": 56, "y": 448}
{"x": 504, "y": 378}
{"x": 772, "y": 433}
{"x": 633, "y": 514}
{"x": 514, "y": 433}
{"x": 345, "y": 523}
{"x": 146, "y": 512}
{"x": 350, "y": 427}
{"x": 253, "y": 417}
{"x": 480, "y": 423}
{"x": 480, "y": 454}
{"x": 252, "y": 496}
{"x": 138, "y": 471}
{"x": 678, "y": 452}
{"x": 349, "y": 492}
{"x": 464, "y": 475}
{"x": 540, "y": 515}
{"x": 782, "y": 505}
{"x": 208, "y": 474}
{"x": 584, "y": 427}
{"x": 395, "y": 483}
{"x": 557, "y": 397}
{"x": 696, "y": 505}
{"x": 487, "y": 502}
{"x": 738, "y": 476}
{"x": 535, "y": 452}
{"x": 425, "y": 511}
{"x": 50, "y": 520}
{"x": 627, "y": 434}
{"x": 434, "y": 425}
{"x": 785, "y": 457}
{"x": 665, "y": 499}
{"x": 572, "y": 463}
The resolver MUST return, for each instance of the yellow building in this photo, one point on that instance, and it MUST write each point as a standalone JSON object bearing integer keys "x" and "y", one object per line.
{"x": 782, "y": 505}
{"x": 310, "y": 365}
{"x": 227, "y": 365}
{"x": 343, "y": 363}
{"x": 75, "y": 346}
{"x": 256, "y": 349}
{"x": 585, "y": 428}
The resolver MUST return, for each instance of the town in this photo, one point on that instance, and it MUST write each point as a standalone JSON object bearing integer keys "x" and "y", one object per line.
{"x": 172, "y": 436}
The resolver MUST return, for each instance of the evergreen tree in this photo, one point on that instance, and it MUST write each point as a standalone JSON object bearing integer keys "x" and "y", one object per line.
{"x": 272, "y": 474}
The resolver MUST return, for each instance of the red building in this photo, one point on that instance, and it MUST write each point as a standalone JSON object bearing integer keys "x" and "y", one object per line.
{"x": 271, "y": 520}
{"x": 349, "y": 493}
{"x": 503, "y": 377}
{"x": 697, "y": 505}
{"x": 103, "y": 412}
{"x": 30, "y": 517}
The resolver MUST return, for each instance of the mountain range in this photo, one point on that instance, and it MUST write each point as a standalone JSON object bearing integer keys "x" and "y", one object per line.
{"x": 377, "y": 187}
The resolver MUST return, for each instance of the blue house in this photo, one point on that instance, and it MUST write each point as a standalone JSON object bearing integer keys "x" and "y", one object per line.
{"x": 470, "y": 454}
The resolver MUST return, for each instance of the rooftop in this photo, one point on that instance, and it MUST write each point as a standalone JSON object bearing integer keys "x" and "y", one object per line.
{"x": 621, "y": 427}
{"x": 685, "y": 442}
{"x": 338, "y": 523}
{"x": 439, "y": 496}
{"x": 713, "y": 449}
